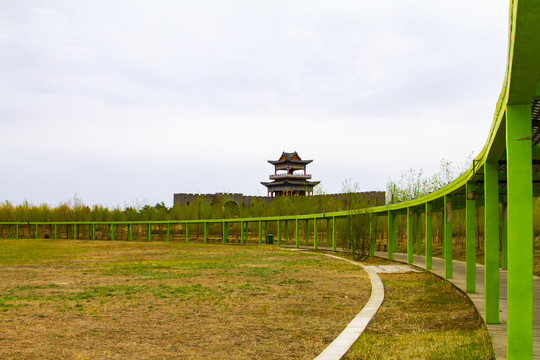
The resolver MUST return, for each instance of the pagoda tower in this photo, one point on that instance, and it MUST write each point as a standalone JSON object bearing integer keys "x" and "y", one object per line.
{"x": 285, "y": 181}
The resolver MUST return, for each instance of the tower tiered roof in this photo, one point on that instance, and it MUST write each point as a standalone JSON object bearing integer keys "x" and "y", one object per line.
{"x": 289, "y": 183}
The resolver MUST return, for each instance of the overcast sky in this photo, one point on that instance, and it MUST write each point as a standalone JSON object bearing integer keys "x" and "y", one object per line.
{"x": 128, "y": 102}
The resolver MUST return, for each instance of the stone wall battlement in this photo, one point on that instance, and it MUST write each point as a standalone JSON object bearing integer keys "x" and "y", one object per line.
{"x": 183, "y": 199}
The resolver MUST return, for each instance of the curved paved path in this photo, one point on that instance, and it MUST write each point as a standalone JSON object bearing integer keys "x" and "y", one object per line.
{"x": 346, "y": 339}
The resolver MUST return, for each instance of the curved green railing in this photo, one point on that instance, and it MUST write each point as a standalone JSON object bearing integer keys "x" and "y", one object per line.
{"x": 504, "y": 172}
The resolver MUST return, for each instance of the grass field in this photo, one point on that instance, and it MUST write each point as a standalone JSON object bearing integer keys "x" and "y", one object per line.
{"x": 62, "y": 299}
{"x": 423, "y": 317}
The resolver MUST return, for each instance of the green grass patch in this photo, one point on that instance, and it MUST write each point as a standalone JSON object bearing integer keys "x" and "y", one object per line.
{"x": 423, "y": 317}
{"x": 101, "y": 299}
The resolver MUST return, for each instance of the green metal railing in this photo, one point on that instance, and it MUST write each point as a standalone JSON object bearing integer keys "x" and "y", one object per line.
{"x": 501, "y": 174}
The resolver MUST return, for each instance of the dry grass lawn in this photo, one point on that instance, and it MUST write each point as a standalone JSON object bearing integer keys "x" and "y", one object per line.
{"x": 118, "y": 300}
{"x": 423, "y": 317}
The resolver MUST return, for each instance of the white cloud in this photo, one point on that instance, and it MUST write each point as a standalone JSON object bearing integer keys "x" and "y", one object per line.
{"x": 196, "y": 95}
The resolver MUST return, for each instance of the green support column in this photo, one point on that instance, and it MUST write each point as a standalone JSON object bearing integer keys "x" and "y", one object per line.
{"x": 93, "y": 231}
{"x": 410, "y": 235}
{"x": 520, "y": 232}
{"x": 75, "y": 231}
{"x": 149, "y": 232}
{"x": 447, "y": 237}
{"x": 391, "y": 234}
{"x": 279, "y": 232}
{"x": 419, "y": 233}
{"x": 470, "y": 238}
{"x": 297, "y": 234}
{"x": 260, "y": 232}
{"x": 491, "y": 242}
{"x": 429, "y": 236}
{"x": 206, "y": 232}
{"x": 306, "y": 231}
{"x": 225, "y": 232}
{"x": 168, "y": 232}
{"x": 328, "y": 232}
{"x": 286, "y": 232}
{"x": 315, "y": 230}
{"x": 17, "y": 231}
{"x": 187, "y": 232}
{"x": 241, "y": 233}
{"x": 37, "y": 231}
{"x": 371, "y": 234}
{"x": 504, "y": 236}
{"x": 334, "y": 234}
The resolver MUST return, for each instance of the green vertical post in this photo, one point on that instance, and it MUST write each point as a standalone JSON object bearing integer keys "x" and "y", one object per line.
{"x": 371, "y": 234}
{"x": 315, "y": 230}
{"x": 187, "y": 232}
{"x": 246, "y": 232}
{"x": 306, "y": 231}
{"x": 17, "y": 231}
{"x": 491, "y": 242}
{"x": 410, "y": 235}
{"x": 418, "y": 233}
{"x": 37, "y": 232}
{"x": 149, "y": 232}
{"x": 328, "y": 232}
{"x": 75, "y": 231}
{"x": 260, "y": 232}
{"x": 206, "y": 232}
{"x": 429, "y": 236}
{"x": 391, "y": 234}
{"x": 504, "y": 236}
{"x": 520, "y": 232}
{"x": 286, "y": 232}
{"x": 279, "y": 232}
{"x": 168, "y": 232}
{"x": 93, "y": 231}
{"x": 297, "y": 234}
{"x": 447, "y": 237}
{"x": 241, "y": 232}
{"x": 225, "y": 232}
{"x": 470, "y": 237}
{"x": 334, "y": 234}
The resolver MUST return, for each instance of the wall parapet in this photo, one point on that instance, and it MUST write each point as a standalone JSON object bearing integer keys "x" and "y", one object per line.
{"x": 183, "y": 199}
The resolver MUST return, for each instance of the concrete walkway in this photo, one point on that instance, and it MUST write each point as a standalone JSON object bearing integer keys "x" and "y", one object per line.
{"x": 337, "y": 348}
{"x": 496, "y": 331}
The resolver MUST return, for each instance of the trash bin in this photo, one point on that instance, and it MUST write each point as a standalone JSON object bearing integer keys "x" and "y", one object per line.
{"x": 270, "y": 239}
